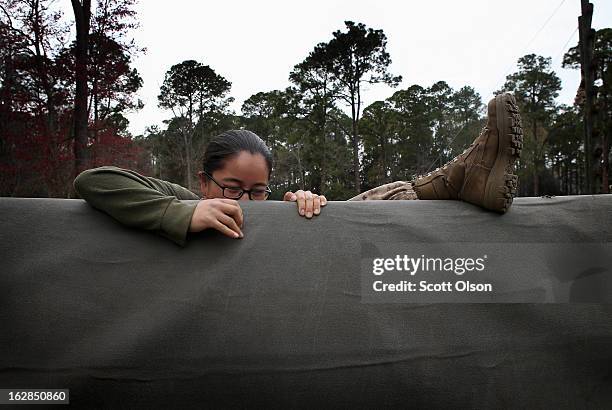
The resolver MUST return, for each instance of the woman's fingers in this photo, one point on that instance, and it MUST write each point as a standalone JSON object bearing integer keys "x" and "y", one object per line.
{"x": 212, "y": 213}
{"x": 316, "y": 204}
{"x": 289, "y": 197}
{"x": 301, "y": 202}
{"x": 309, "y": 204}
{"x": 234, "y": 210}
{"x": 318, "y": 201}
{"x": 231, "y": 224}
{"x": 225, "y": 230}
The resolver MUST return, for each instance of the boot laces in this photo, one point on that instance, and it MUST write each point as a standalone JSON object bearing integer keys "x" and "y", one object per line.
{"x": 472, "y": 145}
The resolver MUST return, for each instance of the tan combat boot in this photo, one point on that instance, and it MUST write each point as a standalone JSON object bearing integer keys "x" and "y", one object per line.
{"x": 482, "y": 174}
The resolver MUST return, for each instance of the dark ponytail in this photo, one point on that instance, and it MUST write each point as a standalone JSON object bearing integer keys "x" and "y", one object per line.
{"x": 231, "y": 143}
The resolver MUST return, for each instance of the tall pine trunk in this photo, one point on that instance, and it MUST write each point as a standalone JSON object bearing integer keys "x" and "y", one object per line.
{"x": 355, "y": 143}
{"x": 536, "y": 162}
{"x": 82, "y": 14}
{"x": 356, "y": 158}
{"x": 605, "y": 166}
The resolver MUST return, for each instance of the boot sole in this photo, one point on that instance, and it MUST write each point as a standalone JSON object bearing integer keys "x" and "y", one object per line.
{"x": 502, "y": 183}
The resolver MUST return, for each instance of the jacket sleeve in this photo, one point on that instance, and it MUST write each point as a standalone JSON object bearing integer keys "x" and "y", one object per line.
{"x": 138, "y": 201}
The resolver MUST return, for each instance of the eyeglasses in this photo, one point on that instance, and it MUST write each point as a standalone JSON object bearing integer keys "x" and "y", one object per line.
{"x": 257, "y": 194}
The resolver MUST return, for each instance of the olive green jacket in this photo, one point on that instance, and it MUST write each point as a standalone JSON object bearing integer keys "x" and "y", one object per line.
{"x": 139, "y": 201}
{"x": 156, "y": 205}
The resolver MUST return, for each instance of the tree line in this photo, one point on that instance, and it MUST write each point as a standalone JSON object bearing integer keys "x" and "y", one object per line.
{"x": 321, "y": 134}
{"x": 43, "y": 99}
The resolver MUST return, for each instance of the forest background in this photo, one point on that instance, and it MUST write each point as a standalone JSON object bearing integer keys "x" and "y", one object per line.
{"x": 69, "y": 84}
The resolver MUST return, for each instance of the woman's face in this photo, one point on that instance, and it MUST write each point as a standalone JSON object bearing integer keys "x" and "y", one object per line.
{"x": 244, "y": 171}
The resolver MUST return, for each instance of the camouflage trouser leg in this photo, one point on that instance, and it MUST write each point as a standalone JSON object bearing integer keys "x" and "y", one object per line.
{"x": 393, "y": 191}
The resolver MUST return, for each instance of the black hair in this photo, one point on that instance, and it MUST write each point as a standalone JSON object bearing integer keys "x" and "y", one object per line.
{"x": 231, "y": 143}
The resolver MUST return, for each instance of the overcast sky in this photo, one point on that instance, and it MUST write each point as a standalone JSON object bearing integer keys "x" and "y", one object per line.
{"x": 255, "y": 44}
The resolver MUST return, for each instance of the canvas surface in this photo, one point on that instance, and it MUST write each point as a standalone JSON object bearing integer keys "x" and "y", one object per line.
{"x": 125, "y": 318}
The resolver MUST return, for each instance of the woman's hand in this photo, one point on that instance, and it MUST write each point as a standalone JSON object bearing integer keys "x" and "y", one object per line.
{"x": 309, "y": 204}
{"x": 222, "y": 214}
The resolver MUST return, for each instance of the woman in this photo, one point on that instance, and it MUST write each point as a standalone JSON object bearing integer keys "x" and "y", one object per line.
{"x": 238, "y": 163}
{"x": 236, "y": 166}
